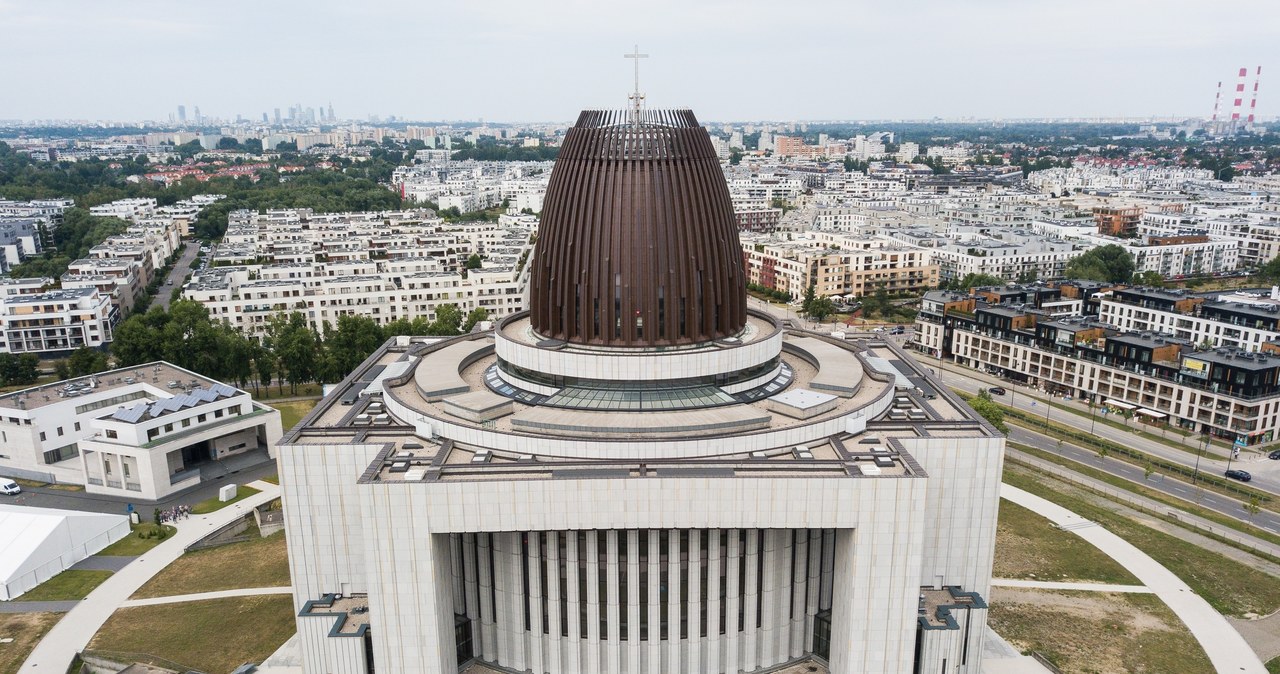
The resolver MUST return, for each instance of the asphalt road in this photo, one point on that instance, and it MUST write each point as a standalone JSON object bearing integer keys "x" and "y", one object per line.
{"x": 1266, "y": 473}
{"x": 1231, "y": 507}
{"x": 43, "y": 497}
{"x": 177, "y": 274}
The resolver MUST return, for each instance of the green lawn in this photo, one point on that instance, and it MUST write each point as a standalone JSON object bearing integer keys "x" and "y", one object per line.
{"x": 291, "y": 412}
{"x": 211, "y": 504}
{"x": 1273, "y": 666}
{"x": 140, "y": 540}
{"x": 260, "y": 562}
{"x": 214, "y": 636}
{"x": 1097, "y": 632}
{"x": 1231, "y": 587}
{"x": 1029, "y": 546}
{"x": 26, "y": 630}
{"x": 66, "y": 586}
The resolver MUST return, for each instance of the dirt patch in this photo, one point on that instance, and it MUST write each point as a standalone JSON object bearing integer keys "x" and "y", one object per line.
{"x": 1095, "y": 632}
{"x": 26, "y": 630}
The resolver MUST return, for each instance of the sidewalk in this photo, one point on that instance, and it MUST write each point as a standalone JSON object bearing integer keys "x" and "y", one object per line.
{"x": 72, "y": 634}
{"x": 1172, "y": 447}
{"x": 1227, "y": 650}
{"x": 1148, "y": 504}
{"x": 1086, "y": 587}
{"x": 202, "y": 596}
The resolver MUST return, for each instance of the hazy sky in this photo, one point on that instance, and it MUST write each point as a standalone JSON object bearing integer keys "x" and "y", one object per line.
{"x": 509, "y": 60}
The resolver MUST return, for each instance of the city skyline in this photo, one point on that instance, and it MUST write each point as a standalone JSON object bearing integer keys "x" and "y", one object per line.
{"x": 511, "y": 61}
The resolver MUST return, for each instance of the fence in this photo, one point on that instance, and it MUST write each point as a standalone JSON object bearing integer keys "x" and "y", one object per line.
{"x": 1147, "y": 505}
{"x": 97, "y": 661}
{"x": 1035, "y": 422}
{"x": 232, "y": 532}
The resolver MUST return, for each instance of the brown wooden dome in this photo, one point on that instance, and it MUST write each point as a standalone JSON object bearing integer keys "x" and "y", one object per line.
{"x": 638, "y": 244}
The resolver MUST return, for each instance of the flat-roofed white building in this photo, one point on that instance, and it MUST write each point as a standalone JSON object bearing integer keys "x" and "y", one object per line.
{"x": 145, "y": 431}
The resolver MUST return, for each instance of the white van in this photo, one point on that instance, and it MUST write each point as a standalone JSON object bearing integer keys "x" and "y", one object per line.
{"x": 9, "y": 487}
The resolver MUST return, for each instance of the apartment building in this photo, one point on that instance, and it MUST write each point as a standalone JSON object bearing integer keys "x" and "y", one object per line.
{"x": 143, "y": 432}
{"x": 836, "y": 264}
{"x": 19, "y": 241}
{"x": 56, "y": 321}
{"x": 1243, "y": 320}
{"x": 382, "y": 265}
{"x": 1159, "y": 377}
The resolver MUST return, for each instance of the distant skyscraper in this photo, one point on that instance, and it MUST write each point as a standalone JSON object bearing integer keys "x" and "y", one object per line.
{"x": 331, "y": 117}
{"x": 182, "y": 114}
{"x": 264, "y": 118}
{"x": 277, "y": 120}
{"x": 198, "y": 120}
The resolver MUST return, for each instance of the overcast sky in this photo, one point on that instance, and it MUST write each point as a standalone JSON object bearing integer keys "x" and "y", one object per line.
{"x": 526, "y": 60}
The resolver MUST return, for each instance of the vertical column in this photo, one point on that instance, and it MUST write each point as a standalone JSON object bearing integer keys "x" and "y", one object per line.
{"x": 633, "y": 601}
{"x": 799, "y": 593}
{"x": 816, "y": 551}
{"x": 510, "y": 591}
{"x": 455, "y": 572}
{"x": 733, "y": 603}
{"x": 713, "y": 601}
{"x": 750, "y": 605}
{"x": 768, "y": 599}
{"x": 573, "y": 583}
{"x": 654, "y": 651}
{"x": 488, "y": 626}
{"x": 675, "y": 586}
{"x": 472, "y": 591}
{"x": 535, "y": 601}
{"x": 828, "y": 568}
{"x": 554, "y": 641}
{"x": 693, "y": 649}
{"x": 782, "y": 598}
{"x": 594, "y": 600}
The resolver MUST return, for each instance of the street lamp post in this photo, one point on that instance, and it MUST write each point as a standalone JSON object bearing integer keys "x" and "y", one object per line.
{"x": 1195, "y": 475}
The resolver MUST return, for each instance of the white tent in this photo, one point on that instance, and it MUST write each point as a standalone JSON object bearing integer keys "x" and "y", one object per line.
{"x": 40, "y": 543}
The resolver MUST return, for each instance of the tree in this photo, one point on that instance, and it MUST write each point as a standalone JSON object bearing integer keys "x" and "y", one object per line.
{"x": 1110, "y": 264}
{"x": 978, "y": 281}
{"x": 821, "y": 307}
{"x": 1253, "y": 506}
{"x": 1150, "y": 279}
{"x": 352, "y": 341}
{"x": 473, "y": 317}
{"x": 1270, "y": 271}
{"x": 810, "y": 294}
{"x": 989, "y": 410}
{"x": 474, "y": 261}
{"x": 19, "y": 370}
{"x": 735, "y": 157}
{"x": 85, "y": 361}
{"x": 448, "y": 321}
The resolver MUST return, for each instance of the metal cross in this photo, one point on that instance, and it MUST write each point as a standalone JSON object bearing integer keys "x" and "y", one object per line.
{"x": 637, "y": 97}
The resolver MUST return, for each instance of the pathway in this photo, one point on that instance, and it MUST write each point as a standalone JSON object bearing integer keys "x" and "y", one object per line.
{"x": 202, "y": 596}
{"x": 72, "y": 634}
{"x": 1227, "y": 650}
{"x": 1087, "y": 587}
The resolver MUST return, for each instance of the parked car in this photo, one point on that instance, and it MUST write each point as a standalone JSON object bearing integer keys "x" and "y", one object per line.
{"x": 1241, "y": 475}
{"x": 1274, "y": 456}
{"x": 9, "y": 487}
{"x": 997, "y": 390}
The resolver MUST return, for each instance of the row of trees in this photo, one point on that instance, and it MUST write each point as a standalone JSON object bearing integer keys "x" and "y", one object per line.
{"x": 290, "y": 351}
{"x": 19, "y": 370}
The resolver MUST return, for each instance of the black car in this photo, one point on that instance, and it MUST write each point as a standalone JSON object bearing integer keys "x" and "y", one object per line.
{"x": 997, "y": 390}
{"x": 1241, "y": 475}
{"x": 1274, "y": 456}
